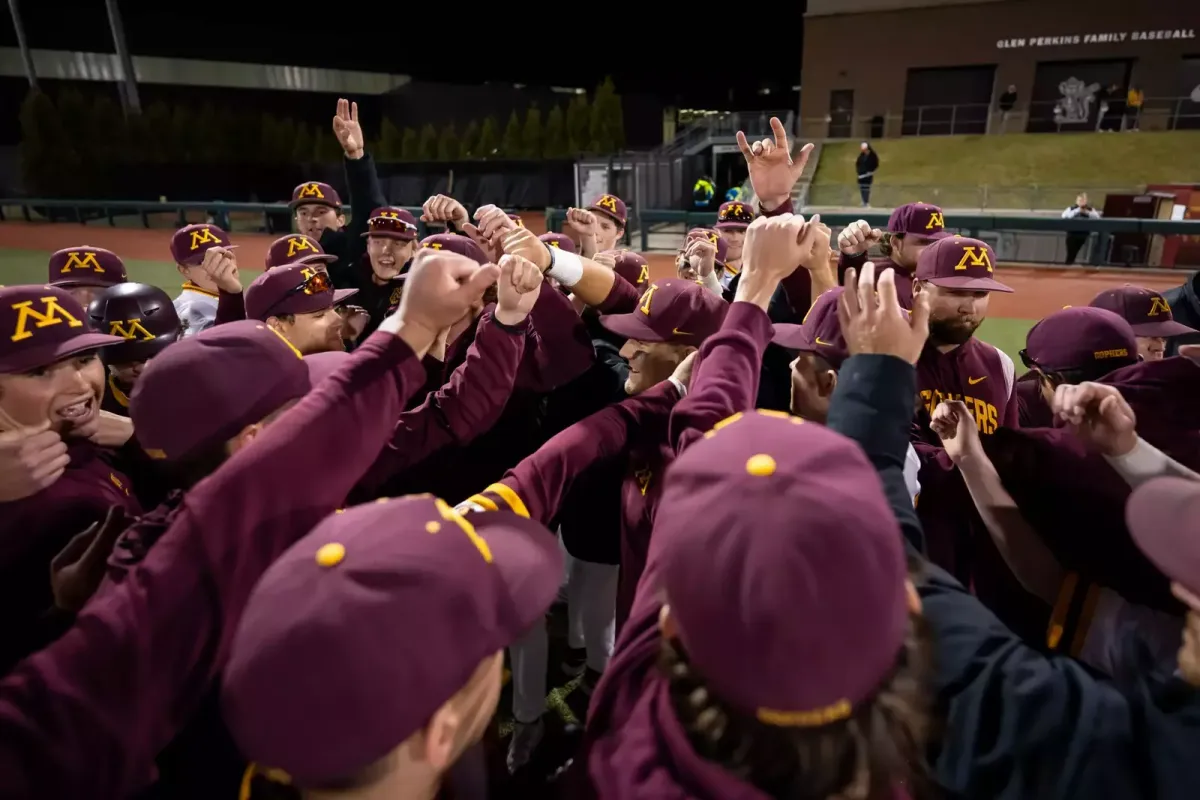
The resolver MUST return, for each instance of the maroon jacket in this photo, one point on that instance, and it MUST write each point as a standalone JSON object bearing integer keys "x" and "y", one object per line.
{"x": 35, "y": 529}
{"x": 86, "y": 716}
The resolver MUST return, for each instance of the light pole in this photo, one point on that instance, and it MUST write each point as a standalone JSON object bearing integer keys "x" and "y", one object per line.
{"x": 26, "y": 54}
{"x": 129, "y": 94}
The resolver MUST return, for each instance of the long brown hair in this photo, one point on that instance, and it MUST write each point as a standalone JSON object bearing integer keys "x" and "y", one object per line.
{"x": 881, "y": 745}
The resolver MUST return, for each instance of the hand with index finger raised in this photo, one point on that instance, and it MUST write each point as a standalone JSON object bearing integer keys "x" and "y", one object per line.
{"x": 773, "y": 172}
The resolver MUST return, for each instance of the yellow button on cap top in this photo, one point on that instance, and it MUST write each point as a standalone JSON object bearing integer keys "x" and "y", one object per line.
{"x": 760, "y": 465}
{"x": 331, "y": 554}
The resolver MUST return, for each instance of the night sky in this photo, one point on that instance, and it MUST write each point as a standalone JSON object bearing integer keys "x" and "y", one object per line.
{"x": 686, "y": 60}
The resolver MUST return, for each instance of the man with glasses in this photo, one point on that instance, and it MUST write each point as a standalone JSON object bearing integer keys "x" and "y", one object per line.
{"x": 297, "y": 301}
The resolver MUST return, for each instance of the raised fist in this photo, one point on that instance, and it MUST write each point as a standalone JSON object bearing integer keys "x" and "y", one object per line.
{"x": 858, "y": 237}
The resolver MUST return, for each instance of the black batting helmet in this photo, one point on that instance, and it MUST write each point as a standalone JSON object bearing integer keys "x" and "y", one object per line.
{"x": 144, "y": 315}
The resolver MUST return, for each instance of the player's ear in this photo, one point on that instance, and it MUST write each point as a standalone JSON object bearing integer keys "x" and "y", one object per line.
{"x": 341, "y": 218}
{"x": 275, "y": 324}
{"x": 917, "y": 286}
{"x": 827, "y": 382}
{"x": 437, "y": 745}
{"x": 182, "y": 270}
{"x": 244, "y": 437}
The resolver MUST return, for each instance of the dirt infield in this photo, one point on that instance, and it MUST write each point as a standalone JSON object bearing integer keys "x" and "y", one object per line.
{"x": 1038, "y": 291}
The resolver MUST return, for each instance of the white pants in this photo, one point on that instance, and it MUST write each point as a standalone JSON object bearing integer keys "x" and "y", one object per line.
{"x": 592, "y": 597}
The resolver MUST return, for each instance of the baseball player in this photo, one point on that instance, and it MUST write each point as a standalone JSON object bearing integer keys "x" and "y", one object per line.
{"x": 391, "y": 237}
{"x": 297, "y": 301}
{"x": 212, "y": 551}
{"x": 732, "y": 220}
{"x": 204, "y": 256}
{"x": 296, "y": 248}
{"x": 959, "y": 276}
{"x": 83, "y": 271}
{"x": 600, "y": 226}
{"x": 1073, "y": 345}
{"x": 910, "y": 229}
{"x": 145, "y": 318}
{"x": 404, "y": 695}
{"x": 1149, "y": 315}
{"x": 52, "y": 382}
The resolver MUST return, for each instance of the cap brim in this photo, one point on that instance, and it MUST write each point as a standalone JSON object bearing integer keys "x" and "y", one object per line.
{"x": 76, "y": 282}
{"x": 34, "y": 357}
{"x": 631, "y": 326}
{"x": 607, "y": 213}
{"x": 791, "y": 336}
{"x": 1154, "y": 513}
{"x": 342, "y": 295}
{"x": 530, "y": 563}
{"x": 732, "y": 226}
{"x": 404, "y": 237}
{"x": 970, "y": 284}
{"x": 312, "y": 201}
{"x": 318, "y": 258}
{"x": 1161, "y": 329}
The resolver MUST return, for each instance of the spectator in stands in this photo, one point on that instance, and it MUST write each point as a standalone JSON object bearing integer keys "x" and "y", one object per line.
{"x": 1133, "y": 107}
{"x": 1077, "y": 239}
{"x": 1006, "y": 102}
{"x": 866, "y": 165}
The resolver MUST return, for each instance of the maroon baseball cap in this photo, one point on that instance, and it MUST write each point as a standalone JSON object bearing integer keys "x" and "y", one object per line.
{"x": 1163, "y": 515}
{"x": 315, "y": 193}
{"x": 463, "y": 245}
{"x": 296, "y": 248}
{"x": 292, "y": 289}
{"x": 357, "y": 634}
{"x": 191, "y": 242}
{"x": 820, "y": 332}
{"x": 712, "y": 236}
{"x": 86, "y": 266}
{"x": 1080, "y": 337}
{"x": 43, "y": 324}
{"x": 559, "y": 240}
{"x": 957, "y": 262}
{"x": 791, "y": 601}
{"x": 611, "y": 206}
{"x": 204, "y": 389}
{"x": 1146, "y": 311}
{"x": 734, "y": 215}
{"x": 918, "y": 219}
{"x": 392, "y": 222}
{"x": 677, "y": 311}
{"x": 520, "y": 223}
{"x": 631, "y": 266}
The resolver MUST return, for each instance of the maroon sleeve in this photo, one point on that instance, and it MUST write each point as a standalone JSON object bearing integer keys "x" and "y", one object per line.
{"x": 1161, "y": 393}
{"x": 86, "y": 716}
{"x": 535, "y": 488}
{"x": 562, "y": 349}
{"x": 1012, "y": 408}
{"x": 230, "y": 307}
{"x": 785, "y": 207}
{"x": 622, "y": 297}
{"x": 798, "y": 285}
{"x": 725, "y": 378}
{"x": 468, "y": 405}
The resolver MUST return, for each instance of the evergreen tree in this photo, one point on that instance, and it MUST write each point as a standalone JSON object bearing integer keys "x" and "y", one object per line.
{"x": 554, "y": 143}
{"x": 390, "y": 142}
{"x": 448, "y": 146}
{"x": 607, "y": 121}
{"x": 510, "y": 147}
{"x": 579, "y": 121}
{"x": 408, "y": 145}
{"x": 469, "y": 142}
{"x": 46, "y": 155}
{"x": 427, "y": 146}
{"x": 488, "y": 143}
{"x": 531, "y": 134}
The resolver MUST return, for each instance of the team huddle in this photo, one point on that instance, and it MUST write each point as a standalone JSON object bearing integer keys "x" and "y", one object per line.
{"x": 806, "y": 535}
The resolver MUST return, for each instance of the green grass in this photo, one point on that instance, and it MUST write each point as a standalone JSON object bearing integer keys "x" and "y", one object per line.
{"x": 30, "y": 266}
{"x": 1010, "y": 165}
{"x": 1008, "y": 335}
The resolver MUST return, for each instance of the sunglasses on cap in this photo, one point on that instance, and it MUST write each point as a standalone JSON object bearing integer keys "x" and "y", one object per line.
{"x": 316, "y": 283}
{"x": 391, "y": 224}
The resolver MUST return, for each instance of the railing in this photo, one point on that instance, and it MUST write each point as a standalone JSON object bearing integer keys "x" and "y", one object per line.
{"x": 1004, "y": 231}
{"x": 1013, "y": 198}
{"x": 727, "y": 124}
{"x": 1049, "y": 116}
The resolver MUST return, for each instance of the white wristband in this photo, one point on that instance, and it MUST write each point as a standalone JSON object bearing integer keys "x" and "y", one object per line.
{"x": 678, "y": 386}
{"x": 566, "y": 268}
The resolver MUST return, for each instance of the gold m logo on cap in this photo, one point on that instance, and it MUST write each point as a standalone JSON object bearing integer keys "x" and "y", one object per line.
{"x": 433, "y": 245}
{"x": 389, "y": 215}
{"x": 205, "y": 236}
{"x": 311, "y": 190}
{"x": 76, "y": 261}
{"x": 295, "y": 245}
{"x": 609, "y": 202}
{"x": 974, "y": 257}
{"x": 644, "y": 275}
{"x": 129, "y": 329}
{"x": 1158, "y": 306}
{"x": 936, "y": 220}
{"x": 553, "y": 243}
{"x": 646, "y": 298}
{"x": 50, "y": 314}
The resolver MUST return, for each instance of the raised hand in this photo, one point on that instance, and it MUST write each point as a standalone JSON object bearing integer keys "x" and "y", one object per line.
{"x": 30, "y": 460}
{"x": 954, "y": 425}
{"x": 858, "y": 237}
{"x": 525, "y": 243}
{"x": 441, "y": 208}
{"x": 77, "y": 571}
{"x": 517, "y": 289}
{"x": 1098, "y": 415}
{"x": 347, "y": 130}
{"x": 872, "y": 320}
{"x": 582, "y": 220}
{"x": 441, "y": 289}
{"x": 220, "y": 265}
{"x": 701, "y": 258}
{"x": 773, "y": 173}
